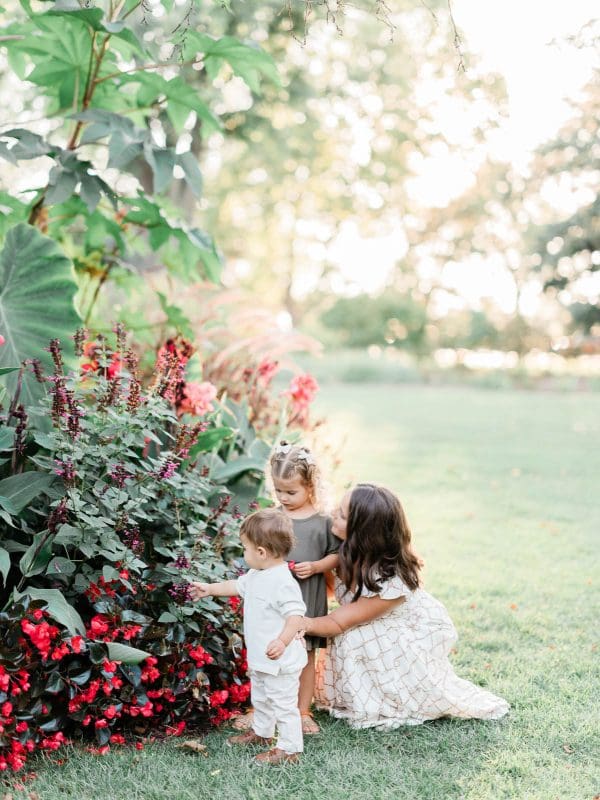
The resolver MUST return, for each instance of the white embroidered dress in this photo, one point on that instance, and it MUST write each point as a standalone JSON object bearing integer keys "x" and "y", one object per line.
{"x": 395, "y": 670}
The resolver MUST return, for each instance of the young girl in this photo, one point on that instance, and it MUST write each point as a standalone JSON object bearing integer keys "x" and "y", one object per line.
{"x": 296, "y": 480}
{"x": 388, "y": 663}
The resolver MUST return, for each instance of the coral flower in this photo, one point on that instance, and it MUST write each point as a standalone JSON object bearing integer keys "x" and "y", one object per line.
{"x": 197, "y": 398}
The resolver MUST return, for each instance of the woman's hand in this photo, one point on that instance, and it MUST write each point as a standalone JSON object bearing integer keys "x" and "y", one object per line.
{"x": 275, "y": 649}
{"x": 305, "y": 569}
{"x": 199, "y": 590}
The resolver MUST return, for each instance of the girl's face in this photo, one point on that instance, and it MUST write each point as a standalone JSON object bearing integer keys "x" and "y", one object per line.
{"x": 292, "y": 493}
{"x": 340, "y": 518}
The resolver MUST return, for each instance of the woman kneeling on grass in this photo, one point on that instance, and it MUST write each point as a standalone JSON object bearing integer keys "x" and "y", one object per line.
{"x": 388, "y": 662}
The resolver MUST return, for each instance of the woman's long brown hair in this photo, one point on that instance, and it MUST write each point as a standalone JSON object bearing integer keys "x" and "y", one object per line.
{"x": 378, "y": 541}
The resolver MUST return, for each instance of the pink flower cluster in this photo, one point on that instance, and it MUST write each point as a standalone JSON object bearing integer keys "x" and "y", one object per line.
{"x": 197, "y": 398}
{"x": 302, "y": 390}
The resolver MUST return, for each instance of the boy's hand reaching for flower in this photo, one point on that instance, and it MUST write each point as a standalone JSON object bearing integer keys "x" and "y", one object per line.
{"x": 275, "y": 649}
{"x": 199, "y": 590}
{"x": 304, "y": 569}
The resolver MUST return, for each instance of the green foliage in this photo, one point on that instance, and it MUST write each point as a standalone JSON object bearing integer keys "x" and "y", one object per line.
{"x": 567, "y": 248}
{"x": 37, "y": 288}
{"x": 106, "y": 517}
{"x": 106, "y": 84}
{"x": 389, "y": 318}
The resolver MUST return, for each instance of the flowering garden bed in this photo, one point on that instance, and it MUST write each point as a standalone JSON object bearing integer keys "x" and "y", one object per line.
{"x": 114, "y": 496}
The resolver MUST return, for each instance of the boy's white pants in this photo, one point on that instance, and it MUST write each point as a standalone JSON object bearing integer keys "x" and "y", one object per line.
{"x": 275, "y": 703}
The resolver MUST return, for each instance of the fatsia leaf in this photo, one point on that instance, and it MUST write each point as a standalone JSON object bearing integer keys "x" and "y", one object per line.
{"x": 248, "y": 61}
{"x": 59, "y": 46}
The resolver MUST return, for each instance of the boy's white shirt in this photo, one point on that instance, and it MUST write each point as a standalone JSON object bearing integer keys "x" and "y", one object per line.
{"x": 270, "y": 596}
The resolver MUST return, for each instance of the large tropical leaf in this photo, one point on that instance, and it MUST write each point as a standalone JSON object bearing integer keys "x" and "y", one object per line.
{"x": 21, "y": 489}
{"x": 37, "y": 288}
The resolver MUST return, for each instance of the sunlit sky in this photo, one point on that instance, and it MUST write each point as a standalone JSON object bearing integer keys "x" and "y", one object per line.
{"x": 515, "y": 38}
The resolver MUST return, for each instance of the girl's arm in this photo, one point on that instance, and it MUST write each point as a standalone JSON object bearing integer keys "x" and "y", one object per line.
{"x": 222, "y": 589}
{"x": 349, "y": 616}
{"x": 304, "y": 569}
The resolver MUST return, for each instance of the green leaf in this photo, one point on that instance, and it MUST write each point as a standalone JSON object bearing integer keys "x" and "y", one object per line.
{"x": 124, "y": 147}
{"x": 12, "y": 211}
{"x": 161, "y": 161}
{"x": 57, "y": 607}
{"x": 4, "y": 564}
{"x": 209, "y": 440}
{"x": 38, "y": 554}
{"x": 37, "y": 290}
{"x": 236, "y": 467}
{"x": 21, "y": 489}
{"x": 175, "y": 317}
{"x": 7, "y": 154}
{"x": 60, "y": 566}
{"x": 29, "y": 145}
{"x": 6, "y": 370}
{"x": 125, "y": 654}
{"x": 183, "y": 98}
{"x": 247, "y": 61}
{"x": 191, "y": 172}
{"x": 61, "y": 185}
{"x": 59, "y": 46}
{"x": 7, "y": 435}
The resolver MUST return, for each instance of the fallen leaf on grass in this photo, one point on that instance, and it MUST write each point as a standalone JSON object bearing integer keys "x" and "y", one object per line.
{"x": 473, "y": 605}
{"x": 513, "y": 607}
{"x": 568, "y": 748}
{"x": 194, "y": 745}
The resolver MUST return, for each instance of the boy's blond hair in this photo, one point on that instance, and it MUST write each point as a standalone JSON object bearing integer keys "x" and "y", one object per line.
{"x": 269, "y": 528}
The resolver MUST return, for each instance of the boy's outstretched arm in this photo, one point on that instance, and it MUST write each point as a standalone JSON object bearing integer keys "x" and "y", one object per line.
{"x": 222, "y": 589}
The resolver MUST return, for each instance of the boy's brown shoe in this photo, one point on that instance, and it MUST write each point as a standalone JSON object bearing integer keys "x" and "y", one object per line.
{"x": 248, "y": 737}
{"x": 276, "y": 756}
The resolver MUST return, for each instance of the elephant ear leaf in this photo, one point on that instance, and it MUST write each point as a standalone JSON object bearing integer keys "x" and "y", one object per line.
{"x": 37, "y": 290}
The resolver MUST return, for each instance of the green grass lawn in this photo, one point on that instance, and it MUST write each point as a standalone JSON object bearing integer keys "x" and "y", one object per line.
{"x": 502, "y": 492}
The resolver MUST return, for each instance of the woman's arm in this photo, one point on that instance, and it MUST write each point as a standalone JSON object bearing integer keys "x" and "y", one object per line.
{"x": 349, "y": 616}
